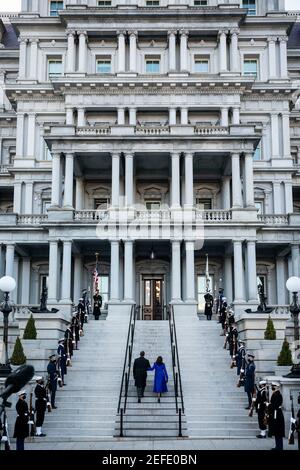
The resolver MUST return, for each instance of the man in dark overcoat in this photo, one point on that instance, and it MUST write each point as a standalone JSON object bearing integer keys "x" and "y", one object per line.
{"x": 97, "y": 305}
{"x": 62, "y": 360}
{"x": 261, "y": 407}
{"x": 249, "y": 379}
{"x": 81, "y": 311}
{"x": 40, "y": 405}
{"x": 140, "y": 367}
{"x": 53, "y": 377}
{"x": 21, "y": 430}
{"x": 209, "y": 302}
{"x": 276, "y": 418}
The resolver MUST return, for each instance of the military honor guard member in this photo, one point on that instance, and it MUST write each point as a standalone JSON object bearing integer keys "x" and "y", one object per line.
{"x": 21, "y": 430}
{"x": 53, "y": 377}
{"x": 69, "y": 339}
{"x": 97, "y": 305}
{"x": 40, "y": 405}
{"x": 209, "y": 302}
{"x": 76, "y": 329}
{"x": 240, "y": 357}
{"x": 276, "y": 418}
{"x": 62, "y": 360}
{"x": 81, "y": 311}
{"x": 249, "y": 379}
{"x": 261, "y": 403}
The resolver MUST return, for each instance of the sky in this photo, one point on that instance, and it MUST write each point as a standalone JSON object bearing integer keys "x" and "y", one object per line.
{"x": 14, "y": 5}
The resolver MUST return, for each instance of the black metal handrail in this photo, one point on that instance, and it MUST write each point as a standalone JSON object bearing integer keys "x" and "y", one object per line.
{"x": 127, "y": 359}
{"x": 175, "y": 361}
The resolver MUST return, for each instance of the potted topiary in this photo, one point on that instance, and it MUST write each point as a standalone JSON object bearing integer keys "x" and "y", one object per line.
{"x": 284, "y": 360}
{"x": 18, "y": 357}
{"x": 270, "y": 332}
{"x": 30, "y": 329}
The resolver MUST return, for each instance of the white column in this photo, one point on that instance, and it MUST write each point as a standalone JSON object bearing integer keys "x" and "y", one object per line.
{"x": 175, "y": 157}
{"x": 56, "y": 179}
{"x": 275, "y": 135}
{"x": 77, "y": 277}
{"x": 172, "y": 51}
{"x": 81, "y": 121}
{"x": 189, "y": 179}
{"x": 33, "y": 58}
{"x": 20, "y": 136}
{"x": 295, "y": 260}
{"x": 121, "y": 116}
{"x": 251, "y": 268}
{"x": 28, "y": 198}
{"x": 23, "y": 58}
{"x": 272, "y": 57}
{"x": 288, "y": 189}
{"x": 25, "y": 285}
{"x": 71, "y": 52}
{"x": 184, "y": 116}
{"x": 69, "y": 116}
{"x": 236, "y": 181}
{"x": 82, "y": 51}
{"x": 17, "y": 197}
{"x": 66, "y": 272}
{"x": 114, "y": 271}
{"x": 35, "y": 6}
{"x": 172, "y": 116}
{"x": 132, "y": 116}
{"x": 226, "y": 203}
{"x": 79, "y": 194}
{"x": 31, "y": 136}
{"x": 228, "y": 278}
{"x": 238, "y": 272}
{"x": 280, "y": 281}
{"x": 115, "y": 185}
{"x": 224, "y": 117}
{"x": 277, "y": 197}
{"x": 132, "y": 51}
{"x": 234, "y": 51}
{"x": 248, "y": 183}
{"x": 15, "y": 293}
{"x": 183, "y": 51}
{"x": 128, "y": 271}
{"x": 129, "y": 179}
{"x": 53, "y": 271}
{"x": 286, "y": 135}
{"x": 236, "y": 116}
{"x": 176, "y": 271}
{"x": 10, "y": 256}
{"x": 190, "y": 270}
{"x": 223, "y": 50}
{"x": 121, "y": 51}
{"x": 69, "y": 176}
{"x": 283, "y": 57}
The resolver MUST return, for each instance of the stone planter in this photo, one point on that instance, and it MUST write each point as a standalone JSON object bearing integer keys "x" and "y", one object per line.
{"x": 281, "y": 371}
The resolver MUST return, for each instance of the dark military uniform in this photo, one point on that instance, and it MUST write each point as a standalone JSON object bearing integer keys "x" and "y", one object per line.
{"x": 53, "y": 376}
{"x": 61, "y": 352}
{"x": 276, "y": 419}
{"x": 21, "y": 430}
{"x": 261, "y": 407}
{"x": 81, "y": 313}
{"x": 97, "y": 306}
{"x": 240, "y": 359}
{"x": 40, "y": 404}
{"x": 209, "y": 301}
{"x": 249, "y": 381}
{"x": 232, "y": 339}
{"x": 76, "y": 330}
{"x": 69, "y": 341}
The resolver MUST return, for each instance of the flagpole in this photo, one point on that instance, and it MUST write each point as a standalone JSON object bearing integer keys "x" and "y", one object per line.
{"x": 207, "y": 274}
{"x": 96, "y": 280}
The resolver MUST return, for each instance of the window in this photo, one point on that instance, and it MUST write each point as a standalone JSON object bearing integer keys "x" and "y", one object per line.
{"x": 104, "y": 3}
{"x": 204, "y": 204}
{"x": 259, "y": 206}
{"x": 200, "y": 3}
{"x": 257, "y": 153}
{"x": 54, "y": 68}
{"x": 201, "y": 290}
{"x": 55, "y": 7}
{"x": 104, "y": 289}
{"x": 251, "y": 6}
{"x": 251, "y": 67}
{"x": 152, "y": 65}
{"x": 104, "y": 65}
{"x": 153, "y": 205}
{"x": 101, "y": 204}
{"x": 201, "y": 65}
{"x": 46, "y": 205}
{"x": 152, "y": 3}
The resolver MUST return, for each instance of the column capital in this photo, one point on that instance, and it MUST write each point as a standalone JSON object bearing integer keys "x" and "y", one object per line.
{"x": 56, "y": 154}
{"x": 222, "y": 32}
{"x": 70, "y": 32}
{"x": 188, "y": 154}
{"x": 121, "y": 33}
{"x": 234, "y": 31}
{"x": 128, "y": 155}
{"x": 235, "y": 155}
{"x": 34, "y": 40}
{"x": 172, "y": 32}
{"x": 22, "y": 40}
{"x": 82, "y": 33}
{"x": 132, "y": 33}
{"x": 283, "y": 39}
{"x": 184, "y": 32}
{"x": 69, "y": 155}
{"x": 115, "y": 155}
{"x": 175, "y": 154}
{"x": 271, "y": 39}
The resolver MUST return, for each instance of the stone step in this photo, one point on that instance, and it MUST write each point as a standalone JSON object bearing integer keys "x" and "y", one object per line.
{"x": 159, "y": 433}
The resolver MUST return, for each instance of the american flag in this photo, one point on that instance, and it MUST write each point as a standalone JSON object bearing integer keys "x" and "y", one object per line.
{"x": 96, "y": 275}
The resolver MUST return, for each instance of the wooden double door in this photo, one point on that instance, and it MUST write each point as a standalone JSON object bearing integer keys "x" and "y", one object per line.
{"x": 153, "y": 298}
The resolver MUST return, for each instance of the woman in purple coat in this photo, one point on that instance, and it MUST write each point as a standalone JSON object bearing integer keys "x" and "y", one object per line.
{"x": 160, "y": 378}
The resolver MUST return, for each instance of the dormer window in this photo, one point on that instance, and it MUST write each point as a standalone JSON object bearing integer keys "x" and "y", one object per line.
{"x": 200, "y": 3}
{"x": 152, "y": 3}
{"x": 55, "y": 7}
{"x": 250, "y": 5}
{"x": 104, "y": 3}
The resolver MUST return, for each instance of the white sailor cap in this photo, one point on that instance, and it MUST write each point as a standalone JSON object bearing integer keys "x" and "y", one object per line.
{"x": 224, "y": 298}
{"x": 275, "y": 384}
{"x": 263, "y": 382}
{"x": 251, "y": 355}
{"x": 23, "y": 392}
{"x": 81, "y": 298}
{"x": 61, "y": 340}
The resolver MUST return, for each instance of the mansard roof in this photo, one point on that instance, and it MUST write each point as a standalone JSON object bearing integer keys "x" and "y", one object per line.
{"x": 9, "y": 36}
{"x": 294, "y": 39}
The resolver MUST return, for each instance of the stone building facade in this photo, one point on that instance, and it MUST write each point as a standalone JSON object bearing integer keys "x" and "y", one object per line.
{"x": 119, "y": 119}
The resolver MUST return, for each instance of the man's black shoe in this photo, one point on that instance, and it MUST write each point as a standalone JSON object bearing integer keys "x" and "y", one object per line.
{"x": 259, "y": 436}
{"x": 139, "y": 400}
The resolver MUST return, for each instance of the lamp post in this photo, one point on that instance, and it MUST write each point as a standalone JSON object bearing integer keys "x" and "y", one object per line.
{"x": 293, "y": 286}
{"x": 7, "y": 285}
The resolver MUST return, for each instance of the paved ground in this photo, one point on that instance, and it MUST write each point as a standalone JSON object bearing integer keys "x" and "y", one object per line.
{"x": 186, "y": 444}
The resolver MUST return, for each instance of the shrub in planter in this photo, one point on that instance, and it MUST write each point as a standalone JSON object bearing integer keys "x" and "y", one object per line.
{"x": 18, "y": 357}
{"x": 270, "y": 332}
{"x": 30, "y": 329}
{"x": 285, "y": 356}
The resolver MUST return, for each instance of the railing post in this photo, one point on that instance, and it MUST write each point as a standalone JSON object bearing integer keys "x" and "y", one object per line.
{"x": 180, "y": 424}
{"x": 121, "y": 423}
{"x": 176, "y": 384}
{"x": 173, "y": 355}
